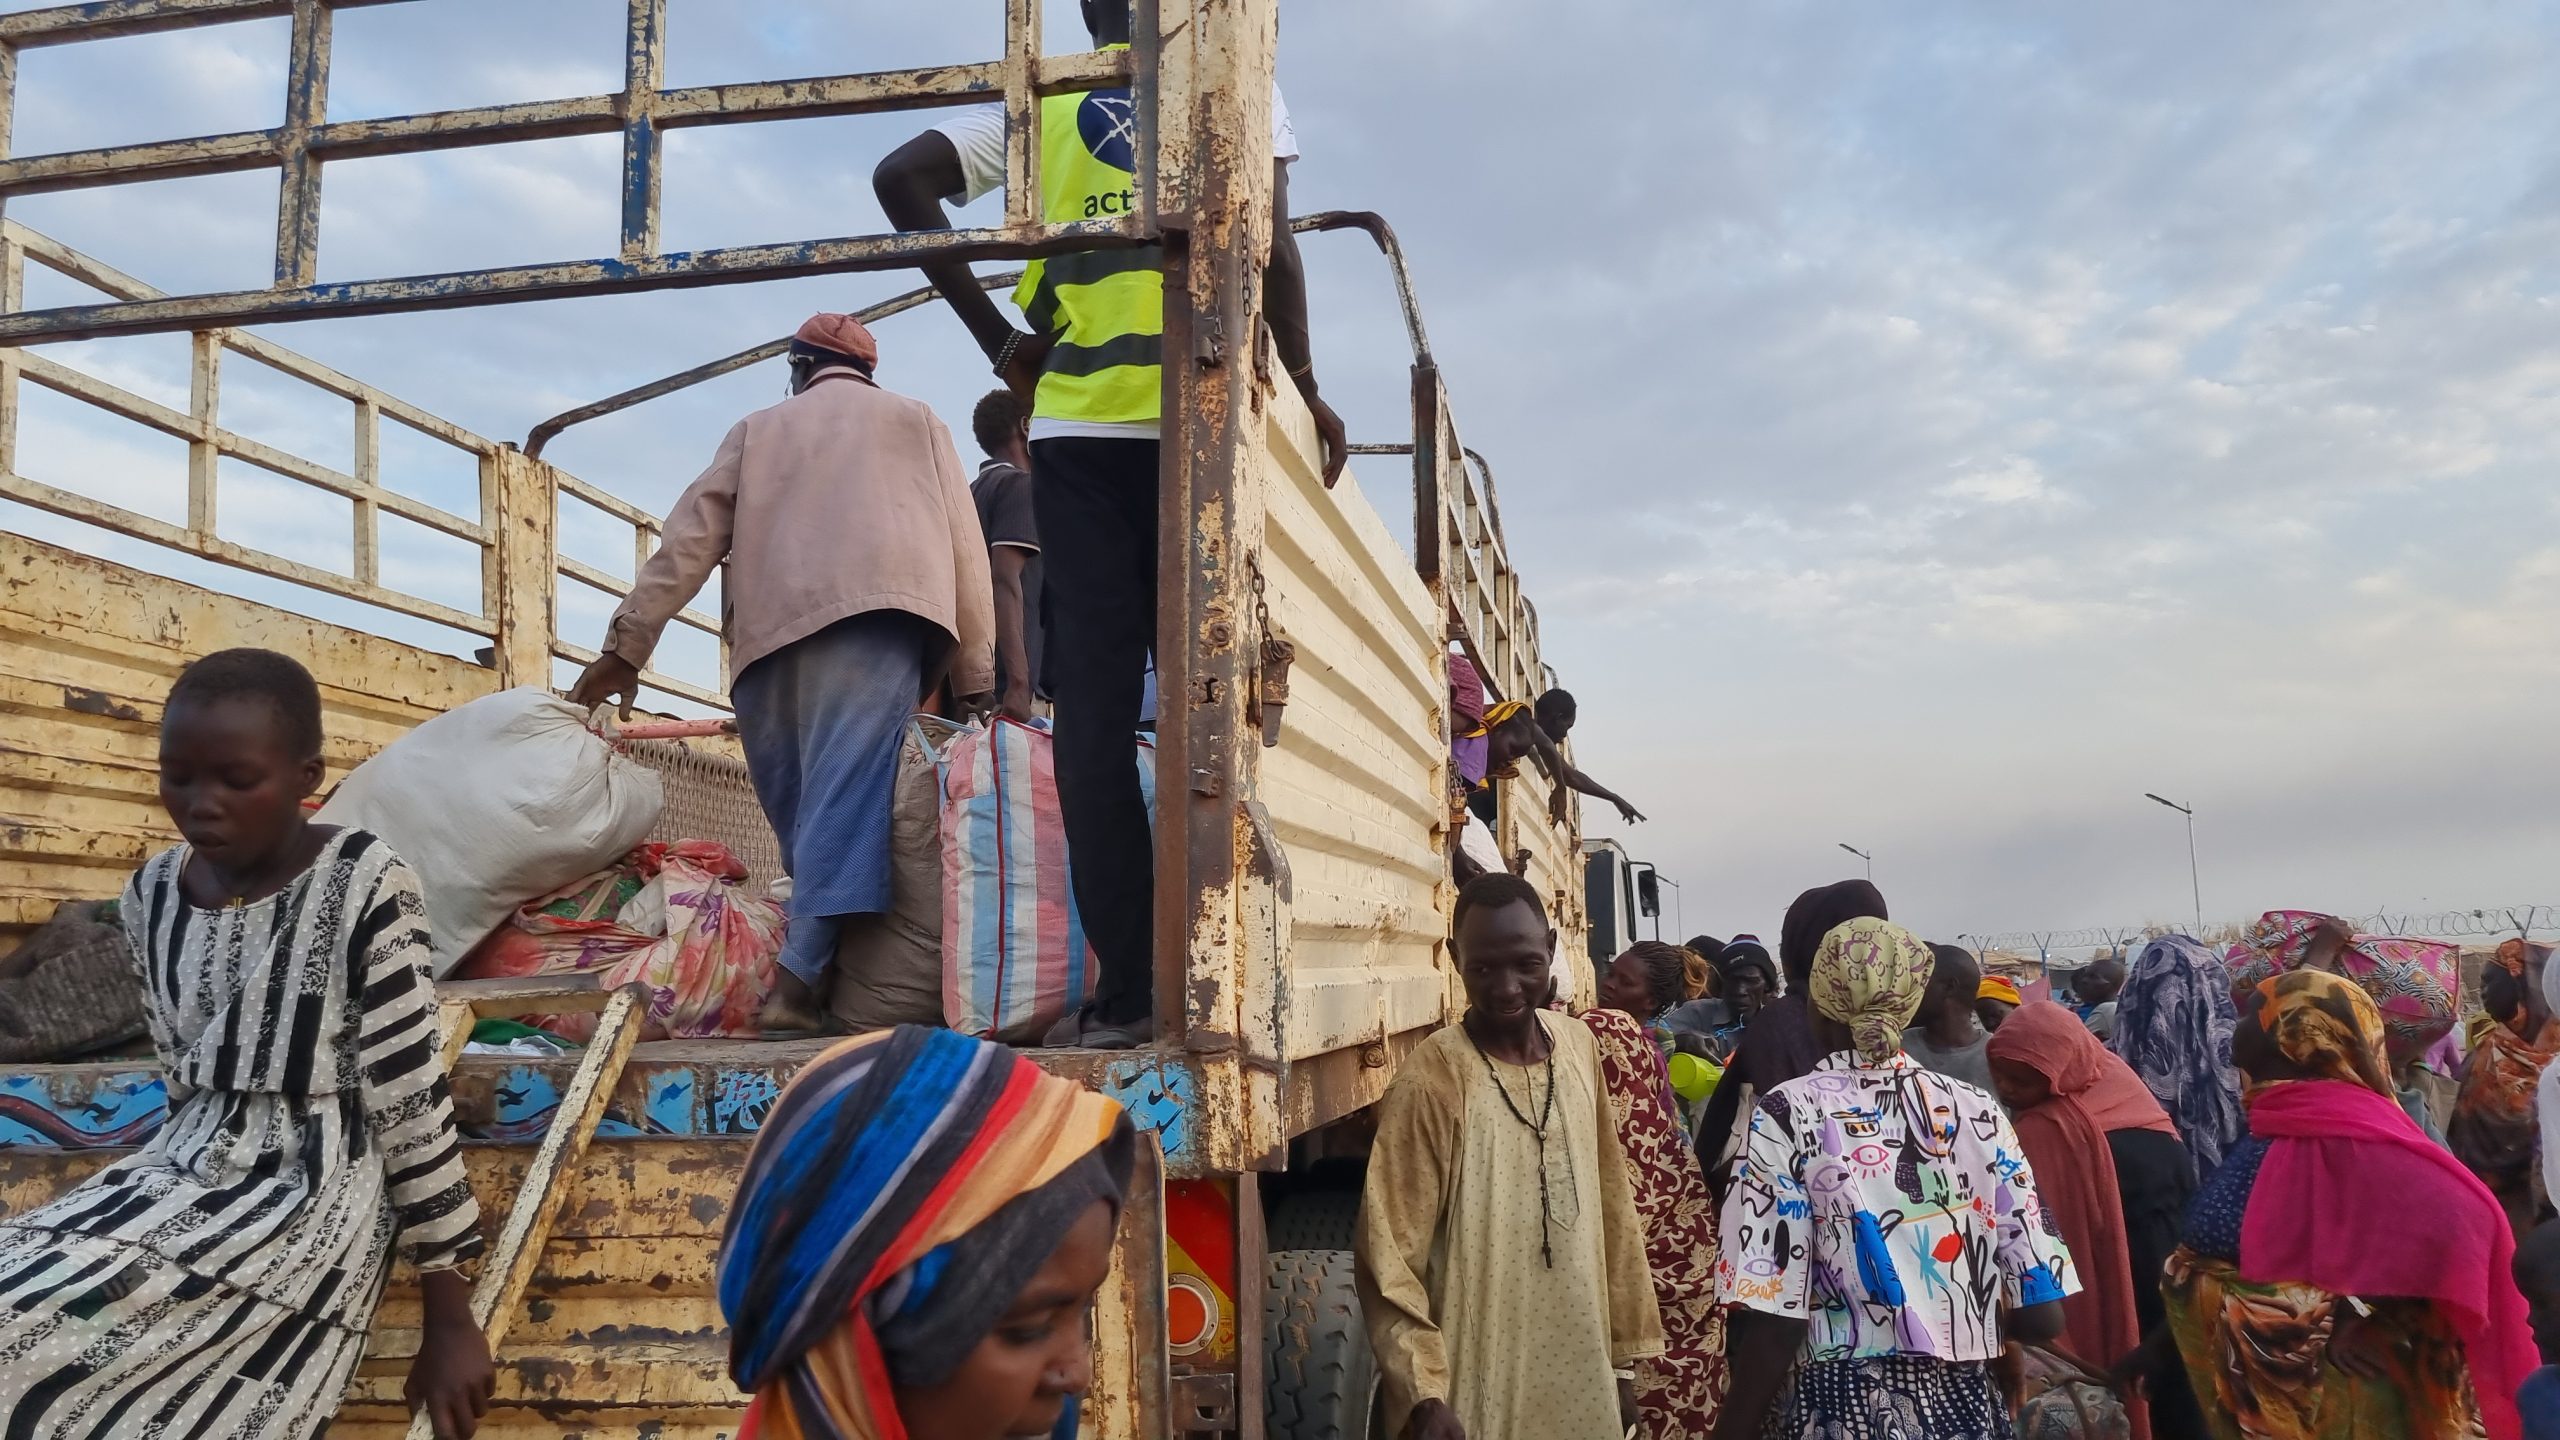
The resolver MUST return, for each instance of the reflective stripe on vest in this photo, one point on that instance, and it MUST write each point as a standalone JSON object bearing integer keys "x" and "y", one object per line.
{"x": 1102, "y": 309}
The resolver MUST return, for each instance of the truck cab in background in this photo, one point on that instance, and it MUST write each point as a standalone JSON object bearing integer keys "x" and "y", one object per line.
{"x": 1619, "y": 894}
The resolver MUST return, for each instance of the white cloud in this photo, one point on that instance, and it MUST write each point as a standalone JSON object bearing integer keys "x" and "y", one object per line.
{"x": 1960, "y": 419}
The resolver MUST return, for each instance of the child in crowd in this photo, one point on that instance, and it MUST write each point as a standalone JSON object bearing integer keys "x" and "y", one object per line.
{"x": 220, "y": 1281}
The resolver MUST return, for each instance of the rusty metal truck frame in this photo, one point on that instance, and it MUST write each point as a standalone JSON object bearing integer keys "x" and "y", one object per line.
{"x": 1200, "y": 71}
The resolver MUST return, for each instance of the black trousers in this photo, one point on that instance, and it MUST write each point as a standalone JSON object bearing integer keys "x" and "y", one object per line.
{"x": 1096, "y": 504}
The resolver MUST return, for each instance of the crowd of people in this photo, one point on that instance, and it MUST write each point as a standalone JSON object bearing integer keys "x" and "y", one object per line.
{"x": 2212, "y": 1197}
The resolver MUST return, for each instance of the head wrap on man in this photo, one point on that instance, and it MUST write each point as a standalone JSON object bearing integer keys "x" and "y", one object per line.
{"x": 905, "y": 1188}
{"x": 2001, "y": 988}
{"x": 1868, "y": 975}
{"x": 826, "y": 339}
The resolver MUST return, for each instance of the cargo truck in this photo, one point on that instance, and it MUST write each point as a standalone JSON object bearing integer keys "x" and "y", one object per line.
{"x": 1303, "y": 891}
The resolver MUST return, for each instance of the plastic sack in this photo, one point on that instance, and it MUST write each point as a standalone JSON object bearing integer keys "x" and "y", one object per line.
{"x": 71, "y": 987}
{"x": 1014, "y": 955}
{"x": 2065, "y": 1400}
{"x": 496, "y": 802}
{"x": 675, "y": 917}
{"x": 889, "y": 966}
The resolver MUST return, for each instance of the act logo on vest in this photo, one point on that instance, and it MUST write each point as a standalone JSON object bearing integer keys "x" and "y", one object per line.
{"x": 1107, "y": 123}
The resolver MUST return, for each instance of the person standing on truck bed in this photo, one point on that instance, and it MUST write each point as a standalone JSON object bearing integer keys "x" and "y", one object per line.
{"x": 856, "y": 578}
{"x": 1500, "y": 1258}
{"x": 221, "y": 1280}
{"x": 1003, "y": 495}
{"x": 1092, "y": 364}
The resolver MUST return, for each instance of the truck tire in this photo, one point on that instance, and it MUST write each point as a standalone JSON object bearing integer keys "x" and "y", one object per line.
{"x": 1314, "y": 1220}
{"x": 1320, "y": 1379}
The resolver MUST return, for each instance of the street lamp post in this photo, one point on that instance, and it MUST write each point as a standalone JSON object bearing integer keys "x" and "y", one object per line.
{"x": 1862, "y": 855}
{"x": 2194, "y": 884}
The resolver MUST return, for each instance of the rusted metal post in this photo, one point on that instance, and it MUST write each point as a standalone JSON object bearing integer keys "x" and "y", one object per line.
{"x": 204, "y": 452}
{"x": 13, "y": 289}
{"x": 368, "y": 477}
{"x": 644, "y": 65}
{"x": 520, "y": 584}
{"x": 306, "y": 107}
{"x": 8, "y": 116}
{"x": 1024, "y": 206}
{"x": 1213, "y": 124}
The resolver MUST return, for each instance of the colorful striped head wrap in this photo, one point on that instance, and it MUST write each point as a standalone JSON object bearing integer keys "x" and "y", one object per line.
{"x": 2000, "y": 987}
{"x": 2412, "y": 982}
{"x": 2324, "y": 1024}
{"x": 905, "y": 1188}
{"x": 1868, "y": 975}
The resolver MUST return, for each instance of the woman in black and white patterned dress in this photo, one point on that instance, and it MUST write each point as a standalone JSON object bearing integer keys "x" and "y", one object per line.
{"x": 220, "y": 1281}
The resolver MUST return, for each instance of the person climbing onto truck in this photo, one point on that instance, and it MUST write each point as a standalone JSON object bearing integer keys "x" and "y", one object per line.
{"x": 1003, "y": 495}
{"x": 222, "y": 1279}
{"x": 1511, "y": 730}
{"x": 1500, "y": 1259}
{"x": 856, "y": 578}
{"x": 1092, "y": 366}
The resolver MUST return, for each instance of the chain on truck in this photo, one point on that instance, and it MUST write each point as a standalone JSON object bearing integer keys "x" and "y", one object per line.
{"x": 1303, "y": 890}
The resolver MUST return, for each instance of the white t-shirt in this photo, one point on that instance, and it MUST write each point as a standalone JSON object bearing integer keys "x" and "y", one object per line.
{"x": 978, "y": 136}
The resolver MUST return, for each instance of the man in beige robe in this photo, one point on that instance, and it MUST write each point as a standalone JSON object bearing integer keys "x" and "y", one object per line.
{"x": 1501, "y": 1262}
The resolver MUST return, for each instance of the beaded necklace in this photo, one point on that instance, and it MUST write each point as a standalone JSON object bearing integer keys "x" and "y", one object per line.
{"x": 1538, "y": 1128}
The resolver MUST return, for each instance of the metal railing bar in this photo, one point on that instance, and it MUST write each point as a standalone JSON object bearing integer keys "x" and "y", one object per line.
{"x": 727, "y": 266}
{"x": 115, "y": 19}
{"x": 242, "y": 557}
{"x": 654, "y": 679}
{"x": 620, "y": 589}
{"x": 644, "y": 65}
{"x": 1375, "y": 226}
{"x": 549, "y": 430}
{"x": 306, "y": 107}
{"x": 124, "y": 404}
{"x": 748, "y": 102}
{"x": 611, "y": 504}
{"x": 97, "y": 274}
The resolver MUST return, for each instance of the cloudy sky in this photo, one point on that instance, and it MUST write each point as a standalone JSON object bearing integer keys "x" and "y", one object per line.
{"x": 1921, "y": 427}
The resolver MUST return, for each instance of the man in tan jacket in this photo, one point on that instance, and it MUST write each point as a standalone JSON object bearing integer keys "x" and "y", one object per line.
{"x": 856, "y": 580}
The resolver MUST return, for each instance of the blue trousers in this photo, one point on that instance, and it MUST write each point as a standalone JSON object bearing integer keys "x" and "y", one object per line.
{"x": 821, "y": 720}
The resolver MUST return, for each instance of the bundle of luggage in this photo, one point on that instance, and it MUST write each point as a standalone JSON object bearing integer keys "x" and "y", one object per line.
{"x": 982, "y": 933}
{"x": 528, "y": 831}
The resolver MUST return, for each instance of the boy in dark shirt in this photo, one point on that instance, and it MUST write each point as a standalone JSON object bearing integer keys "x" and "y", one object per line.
{"x": 1003, "y": 495}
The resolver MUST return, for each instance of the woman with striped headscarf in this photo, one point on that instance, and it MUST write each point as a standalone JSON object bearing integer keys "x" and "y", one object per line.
{"x": 918, "y": 1234}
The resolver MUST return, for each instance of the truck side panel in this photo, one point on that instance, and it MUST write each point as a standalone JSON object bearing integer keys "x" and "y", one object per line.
{"x": 1357, "y": 788}
{"x": 87, "y": 650}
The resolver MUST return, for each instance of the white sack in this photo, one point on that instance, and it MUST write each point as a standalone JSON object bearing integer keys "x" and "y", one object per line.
{"x": 496, "y": 803}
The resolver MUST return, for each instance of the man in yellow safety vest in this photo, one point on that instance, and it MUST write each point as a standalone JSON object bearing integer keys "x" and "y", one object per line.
{"x": 1092, "y": 365}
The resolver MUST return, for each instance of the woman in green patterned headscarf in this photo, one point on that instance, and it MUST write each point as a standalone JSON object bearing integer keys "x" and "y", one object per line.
{"x": 1868, "y": 975}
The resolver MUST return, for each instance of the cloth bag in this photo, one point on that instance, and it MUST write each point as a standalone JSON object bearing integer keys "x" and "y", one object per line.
{"x": 675, "y": 917}
{"x": 1014, "y": 955}
{"x": 496, "y": 802}
{"x": 889, "y": 967}
{"x": 2065, "y": 1400}
{"x": 71, "y": 987}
